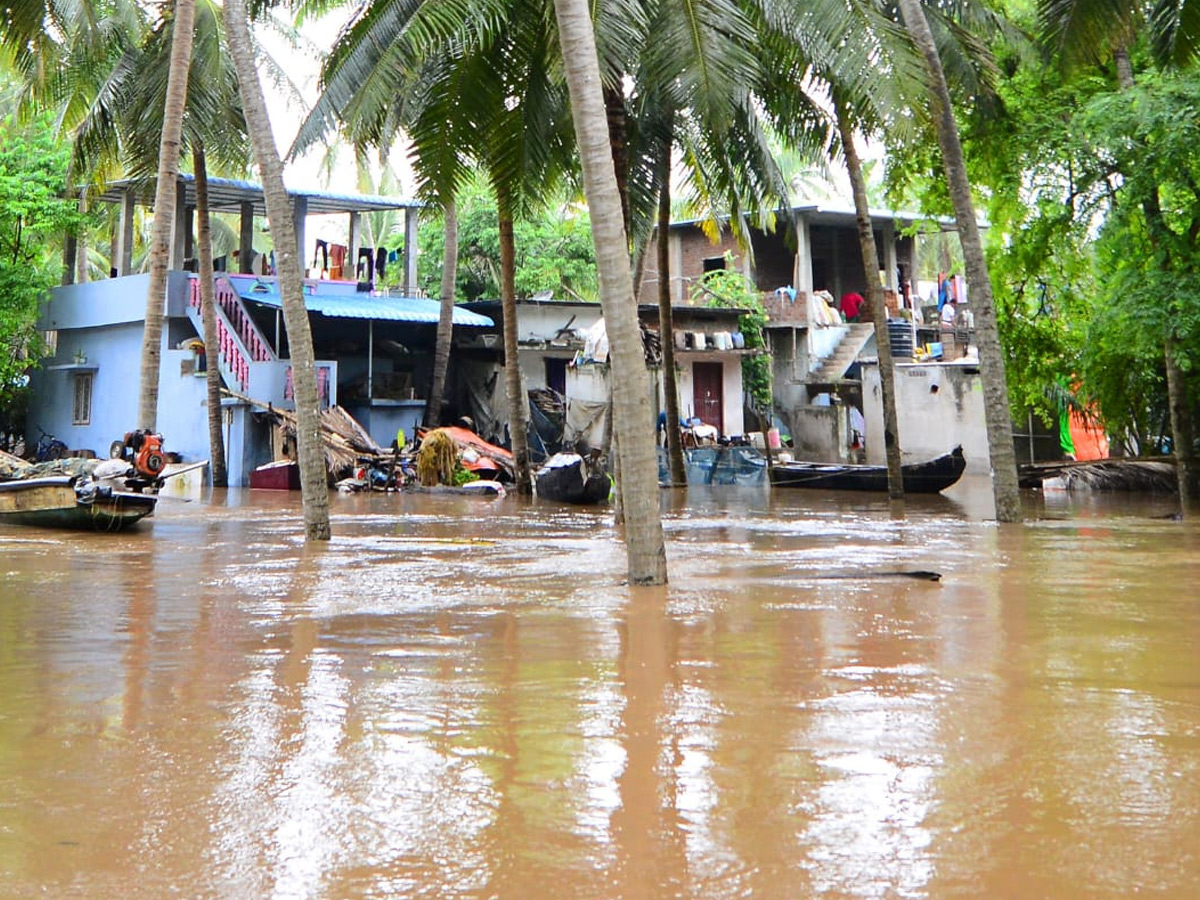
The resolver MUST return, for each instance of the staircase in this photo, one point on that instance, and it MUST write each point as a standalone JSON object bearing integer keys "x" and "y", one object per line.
{"x": 238, "y": 338}
{"x": 833, "y": 368}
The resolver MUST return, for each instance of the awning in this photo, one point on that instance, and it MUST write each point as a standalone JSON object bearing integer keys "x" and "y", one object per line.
{"x": 382, "y": 309}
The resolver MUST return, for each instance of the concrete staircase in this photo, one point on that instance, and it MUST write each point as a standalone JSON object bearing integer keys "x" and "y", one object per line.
{"x": 833, "y": 367}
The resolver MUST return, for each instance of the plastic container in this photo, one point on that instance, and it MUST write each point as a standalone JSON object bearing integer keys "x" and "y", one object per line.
{"x": 739, "y": 340}
{"x": 773, "y": 438}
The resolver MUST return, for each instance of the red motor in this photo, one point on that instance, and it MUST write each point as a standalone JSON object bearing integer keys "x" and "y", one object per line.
{"x": 144, "y": 450}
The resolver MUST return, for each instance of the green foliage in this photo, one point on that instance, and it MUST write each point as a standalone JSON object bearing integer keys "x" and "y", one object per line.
{"x": 730, "y": 289}
{"x": 554, "y": 251}
{"x": 33, "y": 215}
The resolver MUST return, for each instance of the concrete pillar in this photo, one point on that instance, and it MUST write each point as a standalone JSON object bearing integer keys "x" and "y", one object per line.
{"x": 300, "y": 219}
{"x": 246, "y": 239}
{"x": 889, "y": 258}
{"x": 181, "y": 228}
{"x": 122, "y": 259}
{"x": 802, "y": 272}
{"x": 411, "y": 215}
{"x": 353, "y": 240}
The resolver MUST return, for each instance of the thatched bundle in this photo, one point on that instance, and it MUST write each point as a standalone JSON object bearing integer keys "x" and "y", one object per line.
{"x": 1149, "y": 476}
{"x": 343, "y": 439}
{"x": 437, "y": 459}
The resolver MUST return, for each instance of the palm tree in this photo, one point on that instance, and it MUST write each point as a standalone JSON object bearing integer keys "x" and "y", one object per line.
{"x": 213, "y": 119}
{"x": 313, "y": 479}
{"x": 644, "y": 542}
{"x": 164, "y": 210}
{"x": 208, "y": 313}
{"x": 870, "y": 257}
{"x": 1005, "y": 488}
{"x": 445, "y": 328}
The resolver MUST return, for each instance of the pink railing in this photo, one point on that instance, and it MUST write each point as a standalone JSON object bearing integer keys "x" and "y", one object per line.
{"x": 229, "y": 303}
{"x": 231, "y": 355}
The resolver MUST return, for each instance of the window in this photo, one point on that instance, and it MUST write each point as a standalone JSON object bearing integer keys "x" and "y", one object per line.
{"x": 83, "y": 399}
{"x": 713, "y": 264}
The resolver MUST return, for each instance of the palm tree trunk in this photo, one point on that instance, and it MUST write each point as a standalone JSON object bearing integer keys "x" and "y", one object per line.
{"x": 445, "y": 329}
{"x": 618, "y": 141}
{"x": 164, "y": 210}
{"x": 632, "y": 411}
{"x": 518, "y": 403}
{"x": 870, "y": 258}
{"x": 313, "y": 478}
{"x": 666, "y": 327}
{"x": 1005, "y": 488}
{"x": 208, "y": 313}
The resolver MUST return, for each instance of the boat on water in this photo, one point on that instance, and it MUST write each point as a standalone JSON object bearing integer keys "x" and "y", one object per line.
{"x": 929, "y": 477}
{"x": 570, "y": 478}
{"x": 71, "y": 501}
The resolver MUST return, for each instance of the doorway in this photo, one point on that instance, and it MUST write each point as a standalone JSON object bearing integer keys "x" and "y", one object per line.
{"x": 708, "y": 393}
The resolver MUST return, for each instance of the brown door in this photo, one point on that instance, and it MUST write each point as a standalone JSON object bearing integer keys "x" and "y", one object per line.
{"x": 708, "y": 389}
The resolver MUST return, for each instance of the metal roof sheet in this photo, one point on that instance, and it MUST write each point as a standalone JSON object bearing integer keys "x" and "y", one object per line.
{"x": 363, "y": 306}
{"x": 228, "y": 195}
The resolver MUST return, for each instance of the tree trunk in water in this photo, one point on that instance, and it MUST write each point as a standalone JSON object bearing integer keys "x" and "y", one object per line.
{"x": 313, "y": 478}
{"x": 1005, "y": 488}
{"x": 1183, "y": 432}
{"x": 164, "y": 211}
{"x": 632, "y": 410}
{"x": 518, "y": 403}
{"x": 870, "y": 258}
{"x": 666, "y": 328}
{"x": 445, "y": 329}
{"x": 208, "y": 313}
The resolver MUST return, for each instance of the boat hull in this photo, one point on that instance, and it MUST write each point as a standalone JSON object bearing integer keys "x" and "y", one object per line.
{"x": 930, "y": 477}
{"x": 53, "y": 502}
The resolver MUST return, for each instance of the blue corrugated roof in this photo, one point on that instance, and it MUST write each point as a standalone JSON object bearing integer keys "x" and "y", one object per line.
{"x": 362, "y": 306}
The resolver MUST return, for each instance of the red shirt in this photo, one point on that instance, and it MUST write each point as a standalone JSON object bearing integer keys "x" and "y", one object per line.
{"x": 851, "y": 304}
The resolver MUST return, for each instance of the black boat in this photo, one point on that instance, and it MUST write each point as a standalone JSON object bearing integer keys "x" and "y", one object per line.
{"x": 569, "y": 478}
{"x": 928, "y": 477}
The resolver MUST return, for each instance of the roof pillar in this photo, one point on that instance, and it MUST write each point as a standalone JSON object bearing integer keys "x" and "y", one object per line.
{"x": 122, "y": 260}
{"x": 300, "y": 219}
{"x": 246, "y": 239}
{"x": 411, "y": 214}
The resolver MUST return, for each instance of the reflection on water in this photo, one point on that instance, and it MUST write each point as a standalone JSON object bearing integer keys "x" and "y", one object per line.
{"x": 459, "y": 697}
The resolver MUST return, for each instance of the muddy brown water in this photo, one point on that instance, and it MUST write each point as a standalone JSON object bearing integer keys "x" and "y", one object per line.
{"x": 458, "y": 698}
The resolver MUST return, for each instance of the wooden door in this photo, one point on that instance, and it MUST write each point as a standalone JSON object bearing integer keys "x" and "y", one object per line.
{"x": 708, "y": 392}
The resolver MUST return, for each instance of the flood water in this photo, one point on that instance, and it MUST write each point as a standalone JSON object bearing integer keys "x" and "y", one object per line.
{"x": 459, "y": 698}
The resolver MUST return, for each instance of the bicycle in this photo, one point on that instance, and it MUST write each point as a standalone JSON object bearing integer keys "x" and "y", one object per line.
{"x": 49, "y": 447}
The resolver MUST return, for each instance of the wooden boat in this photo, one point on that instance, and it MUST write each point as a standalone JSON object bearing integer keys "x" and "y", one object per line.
{"x": 569, "y": 478}
{"x": 928, "y": 477}
{"x": 66, "y": 501}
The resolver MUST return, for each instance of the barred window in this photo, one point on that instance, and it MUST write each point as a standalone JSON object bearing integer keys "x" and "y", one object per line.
{"x": 83, "y": 398}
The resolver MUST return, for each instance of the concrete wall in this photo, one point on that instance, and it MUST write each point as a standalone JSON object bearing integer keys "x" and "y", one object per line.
{"x": 939, "y": 405}
{"x": 819, "y": 433}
